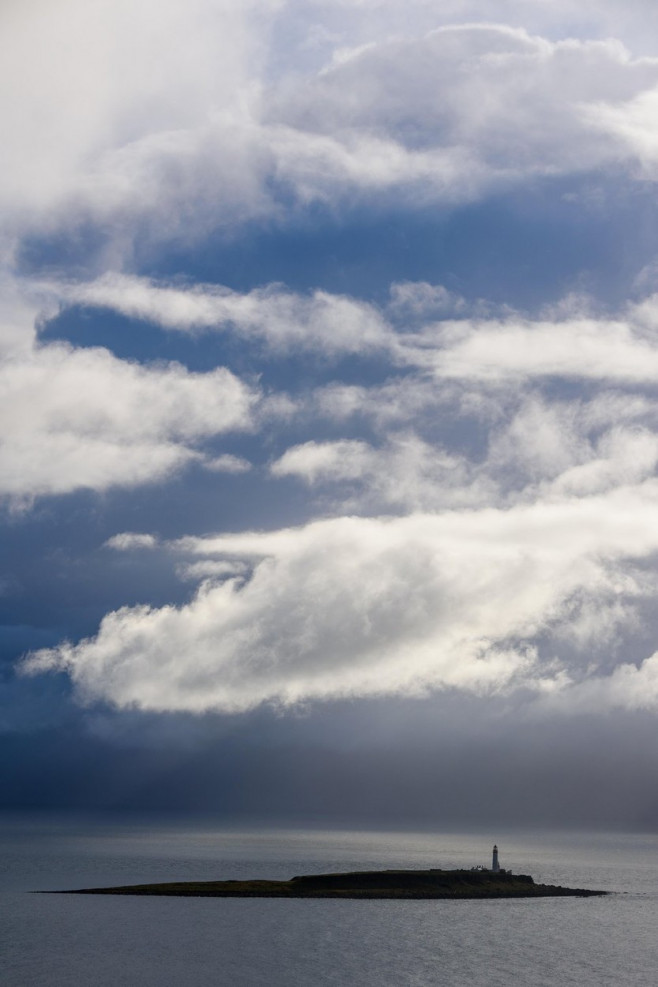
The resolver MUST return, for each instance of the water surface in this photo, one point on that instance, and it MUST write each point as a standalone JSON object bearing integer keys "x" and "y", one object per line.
{"x": 66, "y": 940}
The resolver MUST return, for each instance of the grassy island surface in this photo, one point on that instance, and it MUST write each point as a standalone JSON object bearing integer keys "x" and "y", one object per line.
{"x": 363, "y": 884}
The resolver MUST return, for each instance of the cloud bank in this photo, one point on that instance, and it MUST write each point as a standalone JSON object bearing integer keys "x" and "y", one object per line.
{"x": 364, "y": 606}
{"x": 188, "y": 123}
{"x": 412, "y": 329}
{"x": 508, "y": 567}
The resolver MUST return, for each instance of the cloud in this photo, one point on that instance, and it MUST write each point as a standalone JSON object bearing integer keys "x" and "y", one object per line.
{"x": 282, "y": 319}
{"x": 179, "y": 119}
{"x": 515, "y": 349}
{"x": 629, "y": 687}
{"x": 113, "y": 98}
{"x": 453, "y": 114}
{"x": 405, "y": 473}
{"x": 227, "y": 463}
{"x": 535, "y": 452}
{"x": 574, "y": 448}
{"x": 411, "y": 301}
{"x": 128, "y": 541}
{"x": 413, "y": 328}
{"x": 82, "y": 418}
{"x": 211, "y": 569}
{"x": 346, "y": 459}
{"x": 467, "y": 416}
{"x": 366, "y": 606}
{"x": 401, "y": 400}
{"x": 519, "y": 506}
{"x": 365, "y": 21}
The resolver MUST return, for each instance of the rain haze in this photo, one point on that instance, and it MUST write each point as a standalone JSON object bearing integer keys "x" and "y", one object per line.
{"x": 329, "y": 411}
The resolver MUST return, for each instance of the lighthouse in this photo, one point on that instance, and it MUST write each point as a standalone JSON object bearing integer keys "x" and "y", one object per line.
{"x": 495, "y": 867}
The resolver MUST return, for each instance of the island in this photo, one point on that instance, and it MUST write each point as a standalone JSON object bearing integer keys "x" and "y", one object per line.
{"x": 443, "y": 884}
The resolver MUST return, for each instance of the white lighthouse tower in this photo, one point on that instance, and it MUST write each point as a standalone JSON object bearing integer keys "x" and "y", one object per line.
{"x": 495, "y": 866}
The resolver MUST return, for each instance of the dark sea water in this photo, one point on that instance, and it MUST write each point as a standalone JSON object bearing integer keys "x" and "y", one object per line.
{"x": 66, "y": 940}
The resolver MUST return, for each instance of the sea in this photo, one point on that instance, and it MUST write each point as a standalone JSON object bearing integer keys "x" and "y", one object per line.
{"x": 67, "y": 940}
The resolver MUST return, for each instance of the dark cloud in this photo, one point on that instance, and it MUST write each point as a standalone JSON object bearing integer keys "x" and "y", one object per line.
{"x": 394, "y": 765}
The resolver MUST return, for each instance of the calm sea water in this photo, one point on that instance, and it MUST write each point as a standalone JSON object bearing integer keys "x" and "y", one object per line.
{"x": 54, "y": 940}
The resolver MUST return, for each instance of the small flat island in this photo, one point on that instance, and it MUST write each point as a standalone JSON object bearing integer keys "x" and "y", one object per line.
{"x": 445, "y": 884}
{"x": 478, "y": 882}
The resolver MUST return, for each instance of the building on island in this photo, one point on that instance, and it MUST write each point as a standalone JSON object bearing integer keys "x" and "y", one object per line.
{"x": 495, "y": 865}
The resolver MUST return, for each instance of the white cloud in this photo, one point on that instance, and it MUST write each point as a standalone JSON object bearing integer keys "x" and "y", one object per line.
{"x": 127, "y": 541}
{"x": 628, "y": 687}
{"x": 281, "y": 318}
{"x": 414, "y": 300}
{"x": 519, "y": 350}
{"x": 625, "y": 456}
{"x": 453, "y": 113}
{"x": 227, "y": 463}
{"x": 180, "y": 118}
{"x": 403, "y": 400}
{"x": 483, "y": 345}
{"x": 576, "y": 447}
{"x": 211, "y": 569}
{"x": 406, "y": 472}
{"x": 103, "y": 101}
{"x": 536, "y": 450}
{"x": 364, "y": 606}
{"x": 482, "y": 373}
{"x": 346, "y": 459}
{"x": 64, "y": 427}
{"x": 631, "y": 123}
{"x": 75, "y": 418}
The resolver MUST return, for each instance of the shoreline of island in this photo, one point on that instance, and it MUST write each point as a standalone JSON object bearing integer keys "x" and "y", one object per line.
{"x": 388, "y": 884}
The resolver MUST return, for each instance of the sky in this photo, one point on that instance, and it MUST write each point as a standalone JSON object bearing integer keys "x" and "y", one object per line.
{"x": 329, "y": 410}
